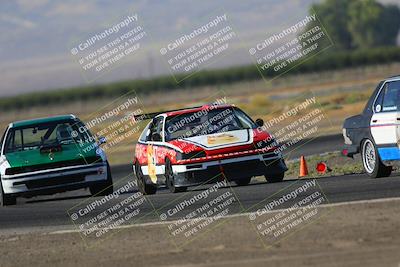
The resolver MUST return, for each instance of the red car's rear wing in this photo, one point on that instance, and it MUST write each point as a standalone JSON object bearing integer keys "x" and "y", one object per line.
{"x": 148, "y": 116}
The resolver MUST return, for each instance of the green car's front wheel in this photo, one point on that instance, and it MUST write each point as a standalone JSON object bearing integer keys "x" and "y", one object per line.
{"x": 103, "y": 188}
{"x": 5, "y": 199}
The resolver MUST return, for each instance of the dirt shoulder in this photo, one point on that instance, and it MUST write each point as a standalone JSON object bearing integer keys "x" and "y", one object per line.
{"x": 348, "y": 235}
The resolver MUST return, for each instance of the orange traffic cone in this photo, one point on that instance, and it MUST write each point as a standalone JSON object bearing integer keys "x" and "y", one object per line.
{"x": 303, "y": 167}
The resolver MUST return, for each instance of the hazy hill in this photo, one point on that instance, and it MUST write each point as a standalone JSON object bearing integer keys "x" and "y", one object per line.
{"x": 37, "y": 34}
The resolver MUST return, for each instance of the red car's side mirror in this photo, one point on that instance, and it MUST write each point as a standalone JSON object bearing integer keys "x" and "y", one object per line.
{"x": 260, "y": 122}
{"x": 156, "y": 137}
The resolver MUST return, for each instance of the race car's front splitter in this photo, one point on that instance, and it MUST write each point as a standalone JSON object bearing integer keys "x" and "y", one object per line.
{"x": 231, "y": 169}
{"x": 54, "y": 180}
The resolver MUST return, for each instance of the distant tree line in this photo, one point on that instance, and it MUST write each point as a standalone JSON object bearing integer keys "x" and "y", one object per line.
{"x": 359, "y": 24}
{"x": 364, "y": 33}
{"x": 326, "y": 61}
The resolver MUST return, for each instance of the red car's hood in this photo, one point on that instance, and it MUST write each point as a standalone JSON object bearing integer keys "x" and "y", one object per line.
{"x": 222, "y": 140}
{"x": 228, "y": 142}
{"x": 217, "y": 143}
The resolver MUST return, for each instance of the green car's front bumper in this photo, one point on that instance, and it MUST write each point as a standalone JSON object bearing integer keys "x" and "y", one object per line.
{"x": 54, "y": 180}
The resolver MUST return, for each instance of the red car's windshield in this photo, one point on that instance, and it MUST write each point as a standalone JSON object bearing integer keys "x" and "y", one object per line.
{"x": 206, "y": 122}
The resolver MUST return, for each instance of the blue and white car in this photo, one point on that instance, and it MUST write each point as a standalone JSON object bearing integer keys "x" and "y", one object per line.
{"x": 375, "y": 133}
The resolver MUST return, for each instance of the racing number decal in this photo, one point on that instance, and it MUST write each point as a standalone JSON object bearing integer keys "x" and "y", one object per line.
{"x": 221, "y": 139}
{"x": 151, "y": 162}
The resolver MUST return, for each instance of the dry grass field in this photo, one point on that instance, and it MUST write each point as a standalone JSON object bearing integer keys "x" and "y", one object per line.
{"x": 339, "y": 94}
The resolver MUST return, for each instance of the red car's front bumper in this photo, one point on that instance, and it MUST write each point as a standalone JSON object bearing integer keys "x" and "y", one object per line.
{"x": 232, "y": 168}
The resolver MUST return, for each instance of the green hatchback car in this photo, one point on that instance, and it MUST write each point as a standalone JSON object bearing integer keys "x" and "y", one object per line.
{"x": 51, "y": 155}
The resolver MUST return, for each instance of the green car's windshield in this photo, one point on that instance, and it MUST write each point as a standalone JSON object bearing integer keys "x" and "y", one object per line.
{"x": 210, "y": 122}
{"x": 36, "y": 136}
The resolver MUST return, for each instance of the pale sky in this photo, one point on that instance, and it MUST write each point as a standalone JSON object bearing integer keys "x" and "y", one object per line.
{"x": 37, "y": 35}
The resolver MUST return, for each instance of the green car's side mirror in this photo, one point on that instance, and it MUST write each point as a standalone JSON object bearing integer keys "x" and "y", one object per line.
{"x": 102, "y": 140}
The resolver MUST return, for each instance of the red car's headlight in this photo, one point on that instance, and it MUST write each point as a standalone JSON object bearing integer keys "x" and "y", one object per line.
{"x": 267, "y": 143}
{"x": 192, "y": 155}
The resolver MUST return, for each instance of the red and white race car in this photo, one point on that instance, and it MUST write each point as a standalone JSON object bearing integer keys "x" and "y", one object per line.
{"x": 202, "y": 145}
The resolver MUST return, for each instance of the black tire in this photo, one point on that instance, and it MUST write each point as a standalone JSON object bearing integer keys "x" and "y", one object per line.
{"x": 243, "y": 182}
{"x": 145, "y": 189}
{"x": 275, "y": 178}
{"x": 5, "y": 199}
{"x": 170, "y": 179}
{"x": 103, "y": 188}
{"x": 371, "y": 161}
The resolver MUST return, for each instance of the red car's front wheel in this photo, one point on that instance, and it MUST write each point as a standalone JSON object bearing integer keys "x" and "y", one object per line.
{"x": 170, "y": 178}
{"x": 145, "y": 189}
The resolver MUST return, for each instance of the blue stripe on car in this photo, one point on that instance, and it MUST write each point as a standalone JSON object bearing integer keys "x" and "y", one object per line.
{"x": 389, "y": 153}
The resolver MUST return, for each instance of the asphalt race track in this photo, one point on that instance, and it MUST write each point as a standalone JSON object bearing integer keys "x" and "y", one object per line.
{"x": 52, "y": 210}
{"x": 45, "y": 212}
